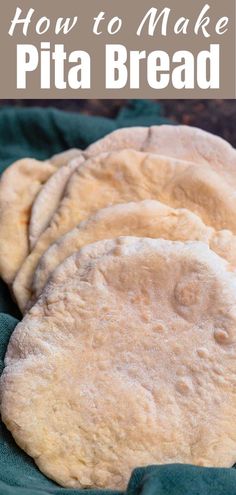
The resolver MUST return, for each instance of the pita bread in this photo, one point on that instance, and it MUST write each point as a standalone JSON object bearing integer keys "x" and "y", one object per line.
{"x": 19, "y": 185}
{"x": 177, "y": 141}
{"x": 48, "y": 200}
{"x": 63, "y": 158}
{"x": 124, "y": 176}
{"x": 147, "y": 218}
{"x": 128, "y": 359}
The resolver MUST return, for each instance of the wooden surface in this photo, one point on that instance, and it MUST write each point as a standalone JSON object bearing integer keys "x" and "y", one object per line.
{"x": 217, "y": 116}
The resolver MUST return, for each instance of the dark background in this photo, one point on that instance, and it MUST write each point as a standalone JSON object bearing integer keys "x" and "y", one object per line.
{"x": 216, "y": 116}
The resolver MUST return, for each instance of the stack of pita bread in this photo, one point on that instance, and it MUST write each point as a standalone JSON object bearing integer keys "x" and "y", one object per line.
{"x": 122, "y": 259}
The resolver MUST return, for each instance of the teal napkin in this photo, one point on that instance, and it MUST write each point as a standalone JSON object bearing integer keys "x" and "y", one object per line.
{"x": 41, "y": 133}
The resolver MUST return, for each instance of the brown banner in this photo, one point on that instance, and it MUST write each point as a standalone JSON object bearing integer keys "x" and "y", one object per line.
{"x": 117, "y": 49}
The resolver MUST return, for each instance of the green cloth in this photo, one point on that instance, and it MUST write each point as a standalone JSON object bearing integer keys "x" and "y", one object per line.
{"x": 41, "y": 133}
{"x": 182, "y": 479}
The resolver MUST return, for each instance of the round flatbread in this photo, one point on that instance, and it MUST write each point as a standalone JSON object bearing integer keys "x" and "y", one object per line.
{"x": 147, "y": 218}
{"x": 177, "y": 141}
{"x": 19, "y": 185}
{"x": 127, "y": 359}
{"x": 63, "y": 158}
{"x": 49, "y": 198}
{"x": 128, "y": 175}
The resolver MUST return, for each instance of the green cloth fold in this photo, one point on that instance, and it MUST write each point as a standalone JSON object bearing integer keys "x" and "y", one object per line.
{"x": 40, "y": 133}
{"x": 182, "y": 479}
